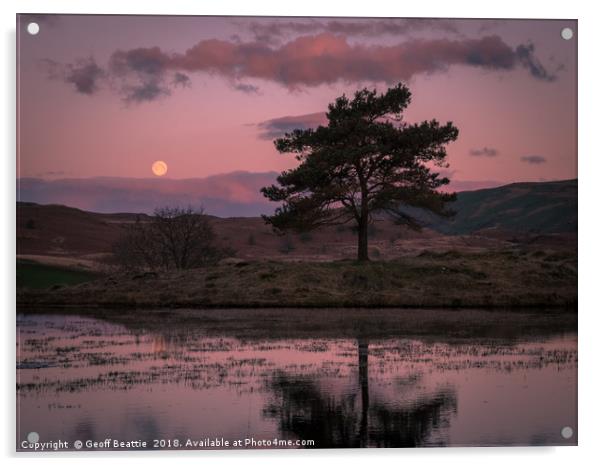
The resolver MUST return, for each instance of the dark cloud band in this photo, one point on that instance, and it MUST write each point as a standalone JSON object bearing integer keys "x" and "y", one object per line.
{"x": 145, "y": 74}
{"x": 274, "y": 31}
{"x": 484, "y": 152}
{"x": 84, "y": 75}
{"x": 534, "y": 159}
{"x": 277, "y": 127}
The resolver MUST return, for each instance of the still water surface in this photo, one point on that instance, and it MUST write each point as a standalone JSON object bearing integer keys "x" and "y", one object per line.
{"x": 340, "y": 378}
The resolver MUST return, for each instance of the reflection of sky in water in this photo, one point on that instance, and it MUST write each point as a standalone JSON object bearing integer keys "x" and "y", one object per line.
{"x": 82, "y": 378}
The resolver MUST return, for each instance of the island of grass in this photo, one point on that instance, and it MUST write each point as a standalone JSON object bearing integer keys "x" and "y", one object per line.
{"x": 511, "y": 278}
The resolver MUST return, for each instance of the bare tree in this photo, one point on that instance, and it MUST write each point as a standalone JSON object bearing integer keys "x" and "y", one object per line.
{"x": 173, "y": 238}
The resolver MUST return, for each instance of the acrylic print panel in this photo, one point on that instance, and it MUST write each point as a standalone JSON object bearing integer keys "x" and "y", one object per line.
{"x": 262, "y": 232}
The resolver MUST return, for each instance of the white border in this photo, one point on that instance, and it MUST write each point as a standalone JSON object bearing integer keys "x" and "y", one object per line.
{"x": 590, "y": 170}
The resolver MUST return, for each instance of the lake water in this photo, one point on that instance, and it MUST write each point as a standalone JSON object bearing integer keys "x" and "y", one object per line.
{"x": 334, "y": 378}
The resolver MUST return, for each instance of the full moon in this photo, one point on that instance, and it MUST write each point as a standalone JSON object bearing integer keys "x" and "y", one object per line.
{"x": 159, "y": 168}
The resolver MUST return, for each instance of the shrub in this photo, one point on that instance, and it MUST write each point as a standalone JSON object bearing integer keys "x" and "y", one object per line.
{"x": 173, "y": 238}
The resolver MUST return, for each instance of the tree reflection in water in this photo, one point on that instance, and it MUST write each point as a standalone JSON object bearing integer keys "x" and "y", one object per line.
{"x": 304, "y": 411}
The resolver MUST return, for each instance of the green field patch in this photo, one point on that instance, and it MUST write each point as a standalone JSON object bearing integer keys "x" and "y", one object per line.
{"x": 40, "y": 276}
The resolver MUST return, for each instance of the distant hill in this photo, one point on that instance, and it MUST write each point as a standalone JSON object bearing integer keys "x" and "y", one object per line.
{"x": 66, "y": 232}
{"x": 543, "y": 208}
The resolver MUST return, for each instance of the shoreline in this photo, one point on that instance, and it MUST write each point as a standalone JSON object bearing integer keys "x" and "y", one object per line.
{"x": 38, "y": 306}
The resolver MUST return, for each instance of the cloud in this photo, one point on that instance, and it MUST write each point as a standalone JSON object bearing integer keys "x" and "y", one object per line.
{"x": 533, "y": 159}
{"x": 327, "y": 58}
{"x": 484, "y": 152}
{"x": 246, "y": 88}
{"x": 146, "y": 91}
{"x": 84, "y": 75}
{"x": 487, "y": 25}
{"x": 144, "y": 74}
{"x": 277, "y": 127}
{"x": 235, "y": 194}
{"x": 526, "y": 56}
{"x": 274, "y": 31}
{"x": 181, "y": 79}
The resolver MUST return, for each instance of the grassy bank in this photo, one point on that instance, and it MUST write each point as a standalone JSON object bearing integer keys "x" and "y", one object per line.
{"x": 496, "y": 279}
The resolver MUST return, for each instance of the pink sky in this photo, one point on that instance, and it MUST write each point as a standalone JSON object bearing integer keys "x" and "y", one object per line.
{"x": 108, "y": 95}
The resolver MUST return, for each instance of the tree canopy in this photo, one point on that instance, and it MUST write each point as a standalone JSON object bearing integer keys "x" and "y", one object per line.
{"x": 367, "y": 159}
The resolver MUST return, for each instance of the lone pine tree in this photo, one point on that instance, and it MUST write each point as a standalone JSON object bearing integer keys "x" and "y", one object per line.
{"x": 367, "y": 160}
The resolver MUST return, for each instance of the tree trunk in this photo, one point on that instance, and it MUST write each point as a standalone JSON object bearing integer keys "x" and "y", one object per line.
{"x": 362, "y": 239}
{"x": 362, "y": 353}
